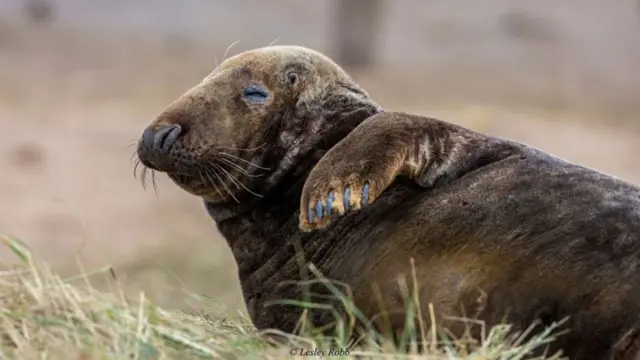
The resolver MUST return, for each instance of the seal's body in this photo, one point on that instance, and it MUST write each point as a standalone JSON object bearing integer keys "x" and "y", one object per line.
{"x": 289, "y": 154}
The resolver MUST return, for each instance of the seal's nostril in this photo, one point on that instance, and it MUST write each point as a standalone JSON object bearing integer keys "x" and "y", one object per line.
{"x": 166, "y": 137}
{"x": 155, "y": 145}
{"x": 147, "y": 138}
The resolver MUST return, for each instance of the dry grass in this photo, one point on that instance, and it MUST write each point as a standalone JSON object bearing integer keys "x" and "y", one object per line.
{"x": 44, "y": 316}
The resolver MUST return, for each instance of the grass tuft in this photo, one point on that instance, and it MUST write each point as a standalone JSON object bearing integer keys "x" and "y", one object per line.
{"x": 44, "y": 316}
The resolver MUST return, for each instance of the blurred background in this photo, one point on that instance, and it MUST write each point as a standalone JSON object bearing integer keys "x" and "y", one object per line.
{"x": 80, "y": 79}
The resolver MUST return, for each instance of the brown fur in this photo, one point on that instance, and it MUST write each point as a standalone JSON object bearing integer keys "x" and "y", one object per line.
{"x": 496, "y": 229}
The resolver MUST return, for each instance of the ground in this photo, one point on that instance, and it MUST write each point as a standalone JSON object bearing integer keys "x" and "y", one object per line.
{"x": 71, "y": 108}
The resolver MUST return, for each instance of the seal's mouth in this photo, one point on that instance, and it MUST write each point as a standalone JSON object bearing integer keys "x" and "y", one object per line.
{"x": 217, "y": 178}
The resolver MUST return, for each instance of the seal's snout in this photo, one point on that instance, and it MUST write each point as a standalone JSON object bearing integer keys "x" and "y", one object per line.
{"x": 154, "y": 149}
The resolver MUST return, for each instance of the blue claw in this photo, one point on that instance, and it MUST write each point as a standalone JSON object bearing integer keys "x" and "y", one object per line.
{"x": 330, "y": 199}
{"x": 365, "y": 194}
{"x": 310, "y": 215}
{"x": 319, "y": 209}
{"x": 347, "y": 195}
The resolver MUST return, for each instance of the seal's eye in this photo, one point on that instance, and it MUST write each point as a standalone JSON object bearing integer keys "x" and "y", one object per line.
{"x": 256, "y": 94}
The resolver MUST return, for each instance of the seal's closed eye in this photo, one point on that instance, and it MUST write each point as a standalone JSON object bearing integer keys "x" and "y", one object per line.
{"x": 256, "y": 94}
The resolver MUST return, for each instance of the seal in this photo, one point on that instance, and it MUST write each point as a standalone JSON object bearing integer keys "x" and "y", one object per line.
{"x": 298, "y": 165}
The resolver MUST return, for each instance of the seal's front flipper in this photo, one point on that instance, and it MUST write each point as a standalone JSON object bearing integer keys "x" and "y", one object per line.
{"x": 351, "y": 175}
{"x": 354, "y": 172}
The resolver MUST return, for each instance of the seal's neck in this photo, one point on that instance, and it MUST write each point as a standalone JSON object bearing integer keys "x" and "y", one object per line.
{"x": 265, "y": 238}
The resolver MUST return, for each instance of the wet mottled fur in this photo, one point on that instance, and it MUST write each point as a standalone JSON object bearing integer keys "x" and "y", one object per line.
{"x": 496, "y": 228}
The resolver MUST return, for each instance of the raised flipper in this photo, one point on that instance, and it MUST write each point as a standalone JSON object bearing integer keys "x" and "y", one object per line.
{"x": 361, "y": 166}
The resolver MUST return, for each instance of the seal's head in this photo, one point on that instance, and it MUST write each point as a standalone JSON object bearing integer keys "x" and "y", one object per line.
{"x": 259, "y": 116}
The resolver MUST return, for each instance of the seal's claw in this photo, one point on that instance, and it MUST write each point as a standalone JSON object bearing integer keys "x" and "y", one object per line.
{"x": 365, "y": 194}
{"x": 319, "y": 209}
{"x": 310, "y": 215}
{"x": 327, "y": 197}
{"x": 330, "y": 199}
{"x": 347, "y": 196}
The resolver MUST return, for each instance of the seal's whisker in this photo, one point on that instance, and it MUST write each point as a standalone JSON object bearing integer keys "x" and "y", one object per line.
{"x": 199, "y": 171}
{"x": 211, "y": 180}
{"x": 154, "y": 183}
{"x": 143, "y": 177}
{"x": 237, "y": 182}
{"x": 204, "y": 178}
{"x": 242, "y": 149}
{"x": 233, "y": 180}
{"x": 226, "y": 52}
{"x": 244, "y": 161}
{"x": 273, "y": 42}
{"x": 133, "y": 156}
{"x": 223, "y": 183}
{"x": 143, "y": 173}
{"x": 135, "y": 168}
{"x": 239, "y": 168}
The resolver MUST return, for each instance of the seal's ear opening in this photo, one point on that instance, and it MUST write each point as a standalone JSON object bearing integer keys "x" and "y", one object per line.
{"x": 292, "y": 78}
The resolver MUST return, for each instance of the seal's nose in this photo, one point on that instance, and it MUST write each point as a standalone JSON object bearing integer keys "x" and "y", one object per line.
{"x": 156, "y": 143}
{"x": 161, "y": 139}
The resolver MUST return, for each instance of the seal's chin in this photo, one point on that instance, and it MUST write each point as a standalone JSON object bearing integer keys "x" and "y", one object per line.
{"x": 201, "y": 185}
